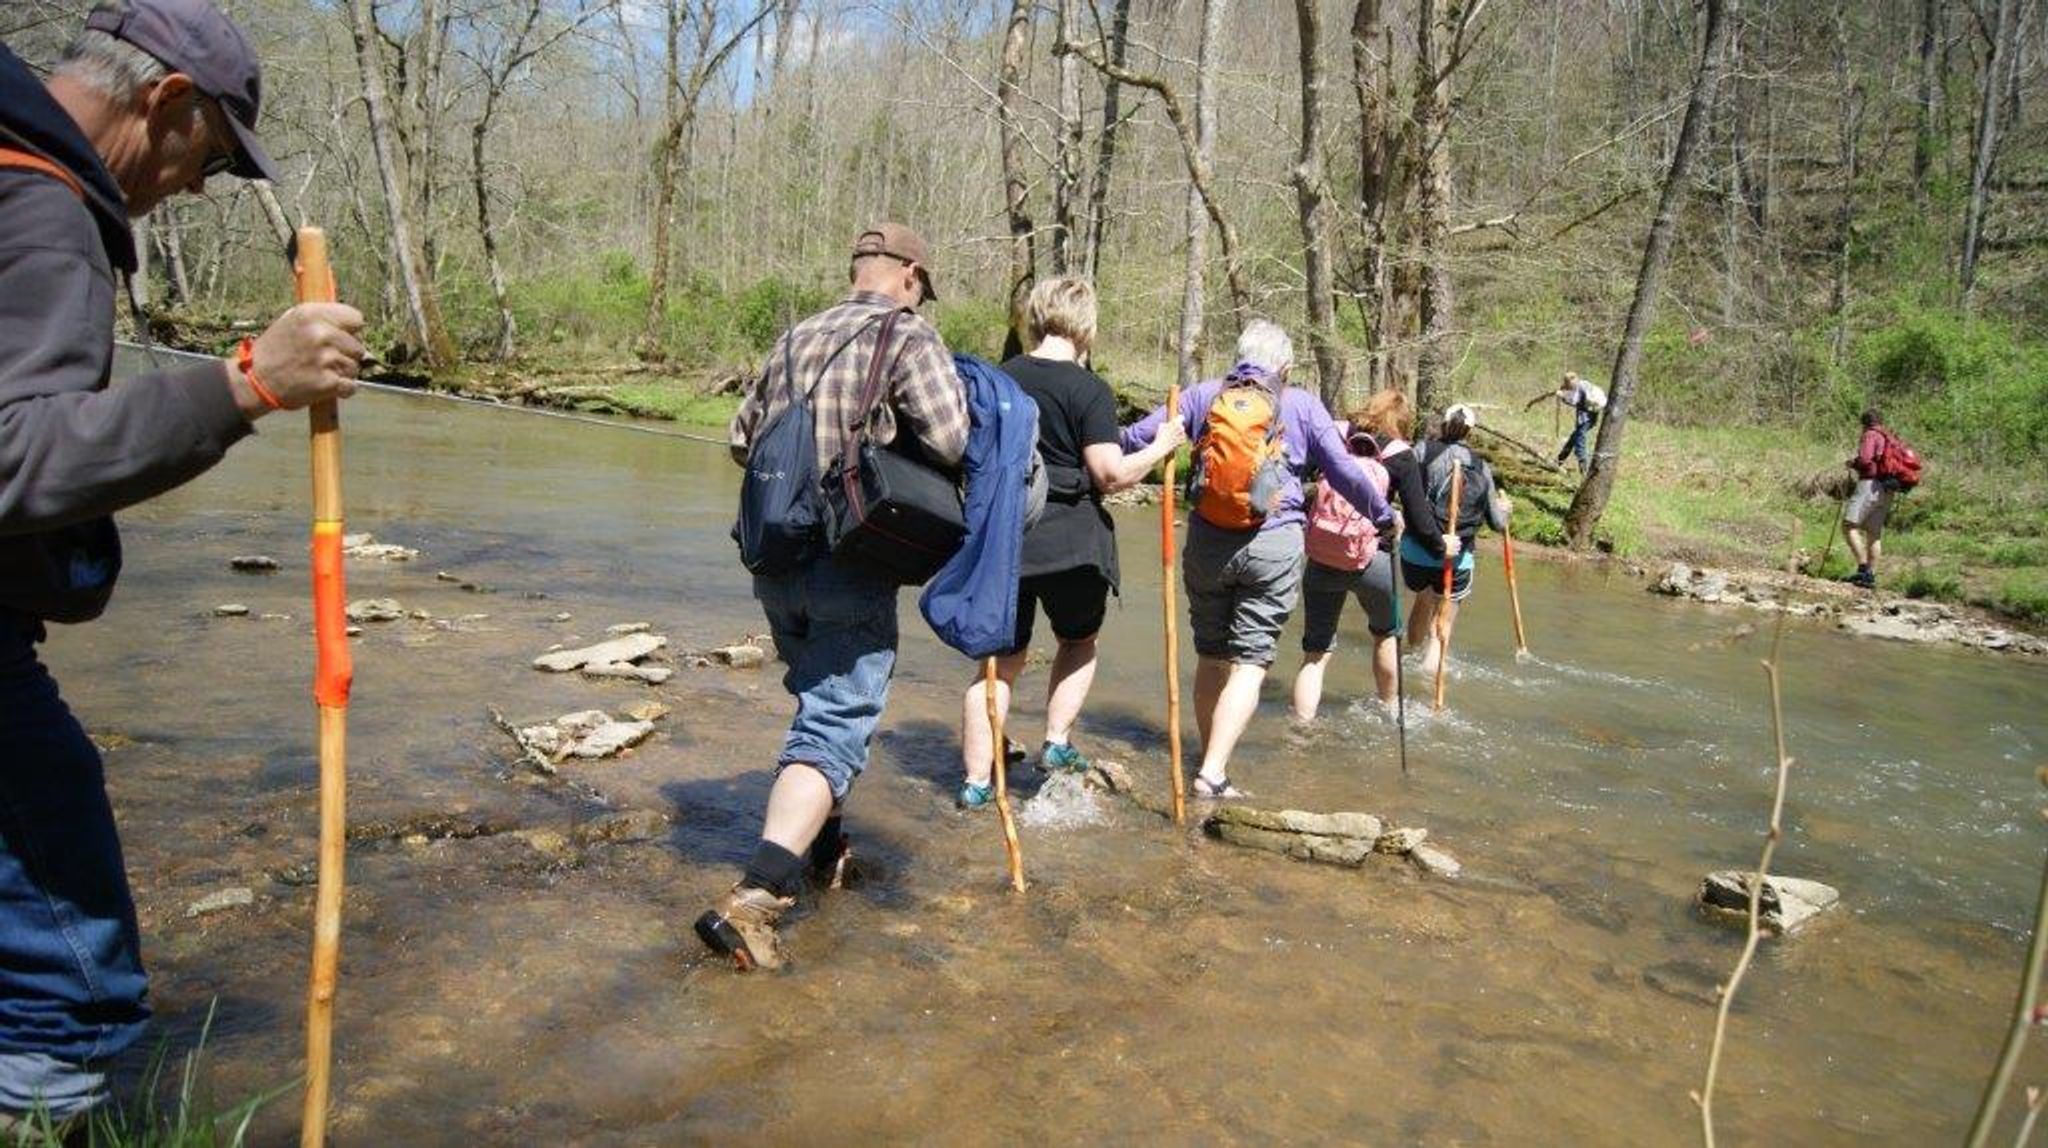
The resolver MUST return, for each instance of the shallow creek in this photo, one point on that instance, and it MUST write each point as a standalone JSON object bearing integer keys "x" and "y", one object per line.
{"x": 1152, "y": 985}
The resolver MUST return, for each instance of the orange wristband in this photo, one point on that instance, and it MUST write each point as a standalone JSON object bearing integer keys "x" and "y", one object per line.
{"x": 245, "y": 361}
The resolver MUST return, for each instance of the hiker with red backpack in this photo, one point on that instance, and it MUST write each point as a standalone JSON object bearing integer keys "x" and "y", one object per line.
{"x": 1479, "y": 500}
{"x": 1348, "y": 556}
{"x": 1884, "y": 465}
{"x": 1254, "y": 437}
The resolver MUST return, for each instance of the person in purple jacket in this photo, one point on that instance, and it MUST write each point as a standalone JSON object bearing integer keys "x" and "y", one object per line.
{"x": 1242, "y": 584}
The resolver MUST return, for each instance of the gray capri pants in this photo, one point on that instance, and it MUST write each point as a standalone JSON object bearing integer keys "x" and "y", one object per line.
{"x": 1323, "y": 590}
{"x": 1242, "y": 585}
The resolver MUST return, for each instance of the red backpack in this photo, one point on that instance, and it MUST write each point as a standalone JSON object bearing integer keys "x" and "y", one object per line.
{"x": 1898, "y": 462}
{"x": 1338, "y": 535}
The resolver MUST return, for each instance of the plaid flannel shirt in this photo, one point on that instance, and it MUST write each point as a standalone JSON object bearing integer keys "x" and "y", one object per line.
{"x": 829, "y": 352}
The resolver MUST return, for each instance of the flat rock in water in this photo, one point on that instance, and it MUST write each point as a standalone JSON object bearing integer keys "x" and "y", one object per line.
{"x": 741, "y": 657}
{"x": 1434, "y": 861}
{"x": 623, "y": 826}
{"x": 628, "y": 628}
{"x": 652, "y": 675}
{"x": 375, "y": 610}
{"x": 1332, "y": 838}
{"x": 1400, "y": 840}
{"x": 231, "y": 610}
{"x": 1786, "y": 904}
{"x": 626, "y": 648}
{"x": 253, "y": 563}
{"x": 645, "y": 711}
{"x": 234, "y": 898}
{"x": 586, "y": 734}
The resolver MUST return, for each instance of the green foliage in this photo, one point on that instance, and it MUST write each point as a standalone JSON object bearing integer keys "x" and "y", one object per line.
{"x": 976, "y": 326}
{"x": 771, "y": 305}
{"x": 2024, "y": 594}
{"x": 1931, "y": 580}
{"x": 1973, "y": 387}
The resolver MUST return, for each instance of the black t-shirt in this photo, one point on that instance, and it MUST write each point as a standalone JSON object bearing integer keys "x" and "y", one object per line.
{"x": 1075, "y": 411}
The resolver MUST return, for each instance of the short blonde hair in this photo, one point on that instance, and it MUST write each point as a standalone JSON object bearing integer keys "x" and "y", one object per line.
{"x": 1063, "y": 306}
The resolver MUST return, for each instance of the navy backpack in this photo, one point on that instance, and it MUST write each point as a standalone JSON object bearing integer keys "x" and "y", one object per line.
{"x": 781, "y": 511}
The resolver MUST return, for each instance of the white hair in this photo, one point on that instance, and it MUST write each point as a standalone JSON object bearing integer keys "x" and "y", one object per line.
{"x": 114, "y": 68}
{"x": 1265, "y": 345}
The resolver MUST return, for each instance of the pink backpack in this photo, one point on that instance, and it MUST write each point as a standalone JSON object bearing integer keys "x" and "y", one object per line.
{"x": 1338, "y": 536}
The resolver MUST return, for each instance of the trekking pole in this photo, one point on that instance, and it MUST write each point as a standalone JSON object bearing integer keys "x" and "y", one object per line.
{"x": 1180, "y": 798}
{"x": 1400, "y": 675}
{"x": 1443, "y": 607}
{"x": 1011, "y": 847}
{"x": 1834, "y": 527}
{"x": 1507, "y": 559}
{"x": 332, "y": 675}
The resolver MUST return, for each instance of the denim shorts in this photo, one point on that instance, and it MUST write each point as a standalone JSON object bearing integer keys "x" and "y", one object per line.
{"x": 1242, "y": 585}
{"x": 835, "y": 630}
{"x": 1323, "y": 591}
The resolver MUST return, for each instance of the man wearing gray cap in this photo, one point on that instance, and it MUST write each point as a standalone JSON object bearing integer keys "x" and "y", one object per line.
{"x": 149, "y": 100}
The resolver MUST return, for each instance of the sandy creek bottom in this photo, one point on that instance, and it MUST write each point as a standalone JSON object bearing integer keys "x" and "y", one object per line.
{"x": 1152, "y": 985}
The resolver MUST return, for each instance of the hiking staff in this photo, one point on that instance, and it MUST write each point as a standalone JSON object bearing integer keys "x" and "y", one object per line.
{"x": 332, "y": 675}
{"x": 1166, "y": 595}
{"x": 1400, "y": 676}
{"x": 1443, "y": 630}
{"x": 1507, "y": 559}
{"x": 1834, "y": 528}
{"x": 1011, "y": 847}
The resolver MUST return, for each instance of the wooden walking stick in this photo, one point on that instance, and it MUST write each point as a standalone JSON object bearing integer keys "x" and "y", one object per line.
{"x": 1400, "y": 676}
{"x": 332, "y": 675}
{"x": 1443, "y": 606}
{"x": 1011, "y": 847}
{"x": 1166, "y": 609}
{"x": 1834, "y": 528}
{"x": 1507, "y": 559}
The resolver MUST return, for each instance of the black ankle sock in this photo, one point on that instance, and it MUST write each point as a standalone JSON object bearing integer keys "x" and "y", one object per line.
{"x": 775, "y": 869}
{"x": 831, "y": 839}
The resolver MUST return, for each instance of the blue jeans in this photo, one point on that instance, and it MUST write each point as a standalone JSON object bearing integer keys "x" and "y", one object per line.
{"x": 1583, "y": 421}
{"x": 72, "y": 989}
{"x": 835, "y": 630}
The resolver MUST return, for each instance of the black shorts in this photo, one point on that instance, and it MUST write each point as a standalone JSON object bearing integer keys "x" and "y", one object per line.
{"x": 1075, "y": 602}
{"x": 1420, "y": 578}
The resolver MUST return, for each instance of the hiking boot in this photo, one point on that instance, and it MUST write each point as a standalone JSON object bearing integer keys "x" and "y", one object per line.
{"x": 1057, "y": 758}
{"x": 742, "y": 926}
{"x": 972, "y": 797}
{"x": 834, "y": 868}
{"x": 1863, "y": 578}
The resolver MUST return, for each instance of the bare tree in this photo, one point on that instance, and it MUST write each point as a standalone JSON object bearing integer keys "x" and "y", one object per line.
{"x": 1850, "y": 92}
{"x": 1997, "y": 55}
{"x": 1016, "y": 195}
{"x": 1591, "y": 500}
{"x": 1066, "y": 182}
{"x": 1436, "y": 22}
{"x": 422, "y": 308}
{"x": 1116, "y": 53}
{"x": 1923, "y": 104}
{"x": 1214, "y": 13}
{"x": 1312, "y": 204}
{"x": 1371, "y": 84}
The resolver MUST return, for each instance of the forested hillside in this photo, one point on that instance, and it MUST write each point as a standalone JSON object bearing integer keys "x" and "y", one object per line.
{"x": 1452, "y": 197}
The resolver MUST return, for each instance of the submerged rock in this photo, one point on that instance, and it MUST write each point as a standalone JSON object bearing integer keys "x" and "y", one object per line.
{"x": 625, "y": 649}
{"x": 652, "y": 675}
{"x": 622, "y": 827}
{"x": 645, "y": 711}
{"x": 1786, "y": 904}
{"x": 375, "y": 610}
{"x": 1434, "y": 861}
{"x": 253, "y": 564}
{"x": 744, "y": 656}
{"x": 1331, "y": 838}
{"x": 624, "y": 628}
{"x": 231, "y": 610}
{"x": 1400, "y": 840}
{"x": 239, "y": 896}
{"x": 587, "y": 734}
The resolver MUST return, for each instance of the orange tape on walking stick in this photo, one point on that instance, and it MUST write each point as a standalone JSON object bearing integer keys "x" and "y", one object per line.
{"x": 333, "y": 674}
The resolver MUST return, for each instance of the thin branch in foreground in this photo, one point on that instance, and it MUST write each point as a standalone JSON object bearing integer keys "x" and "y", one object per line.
{"x": 1772, "y": 835}
{"x": 2024, "y": 1016}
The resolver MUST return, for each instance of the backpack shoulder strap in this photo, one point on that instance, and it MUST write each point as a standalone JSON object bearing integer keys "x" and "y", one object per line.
{"x": 872, "y": 386}
{"x": 30, "y": 161}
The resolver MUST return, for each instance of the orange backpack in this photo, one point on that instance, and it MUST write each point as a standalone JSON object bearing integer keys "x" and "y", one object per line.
{"x": 1240, "y": 461}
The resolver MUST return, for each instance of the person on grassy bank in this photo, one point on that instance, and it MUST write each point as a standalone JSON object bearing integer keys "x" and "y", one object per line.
{"x": 1069, "y": 564}
{"x": 834, "y": 623}
{"x": 1348, "y": 556}
{"x": 1479, "y": 500}
{"x": 148, "y": 101}
{"x": 1254, "y": 438}
{"x": 1586, "y": 402}
{"x": 1870, "y": 503}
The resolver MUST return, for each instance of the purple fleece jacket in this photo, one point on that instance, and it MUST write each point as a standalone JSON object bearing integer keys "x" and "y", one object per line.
{"x": 1310, "y": 436}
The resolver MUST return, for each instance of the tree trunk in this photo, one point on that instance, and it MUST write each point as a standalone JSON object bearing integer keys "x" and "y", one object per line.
{"x": 1105, "y": 145}
{"x": 667, "y": 165}
{"x": 1214, "y": 13}
{"x": 1992, "y": 92}
{"x": 1923, "y": 104}
{"x": 1434, "y": 24}
{"x": 1369, "y": 83}
{"x": 1310, "y": 199}
{"x": 1851, "y": 95}
{"x": 1066, "y": 185}
{"x": 170, "y": 237}
{"x": 1016, "y": 206}
{"x": 488, "y": 232}
{"x": 422, "y": 308}
{"x": 1591, "y": 500}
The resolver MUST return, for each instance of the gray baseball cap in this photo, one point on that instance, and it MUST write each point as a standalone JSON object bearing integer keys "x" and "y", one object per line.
{"x": 193, "y": 37}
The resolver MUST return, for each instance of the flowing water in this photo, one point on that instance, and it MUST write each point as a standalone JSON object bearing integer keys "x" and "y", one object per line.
{"x": 502, "y": 985}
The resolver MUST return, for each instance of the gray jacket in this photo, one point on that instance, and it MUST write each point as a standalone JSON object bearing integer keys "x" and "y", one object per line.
{"x": 73, "y": 450}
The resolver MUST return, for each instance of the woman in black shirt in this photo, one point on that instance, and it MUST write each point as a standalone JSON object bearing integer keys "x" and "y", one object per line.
{"x": 1069, "y": 565}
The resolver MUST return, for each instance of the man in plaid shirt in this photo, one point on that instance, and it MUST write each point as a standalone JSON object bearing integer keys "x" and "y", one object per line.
{"x": 835, "y": 624}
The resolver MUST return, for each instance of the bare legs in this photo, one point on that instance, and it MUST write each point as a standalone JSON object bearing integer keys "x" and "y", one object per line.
{"x": 976, "y": 752}
{"x": 1226, "y": 695}
{"x": 1073, "y": 672}
{"x": 1422, "y": 629}
{"x": 798, "y": 807}
{"x": 1865, "y": 549}
{"x": 1308, "y": 681}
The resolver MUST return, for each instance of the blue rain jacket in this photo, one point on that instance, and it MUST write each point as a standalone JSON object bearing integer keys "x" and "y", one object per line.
{"x": 971, "y": 603}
